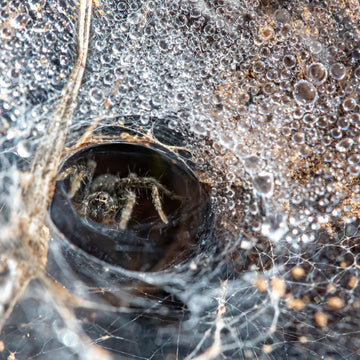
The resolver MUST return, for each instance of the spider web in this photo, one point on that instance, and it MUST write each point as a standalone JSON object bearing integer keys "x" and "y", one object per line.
{"x": 227, "y": 86}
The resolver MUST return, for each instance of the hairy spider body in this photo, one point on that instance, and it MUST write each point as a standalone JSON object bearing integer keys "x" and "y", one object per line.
{"x": 109, "y": 198}
{"x": 127, "y": 210}
{"x": 100, "y": 207}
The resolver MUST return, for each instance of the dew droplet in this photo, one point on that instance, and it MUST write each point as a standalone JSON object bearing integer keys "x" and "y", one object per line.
{"x": 354, "y": 159}
{"x": 356, "y": 53}
{"x": 299, "y": 138}
{"x": 199, "y": 128}
{"x": 252, "y": 163}
{"x": 354, "y": 170}
{"x": 336, "y": 133}
{"x": 266, "y": 32}
{"x": 226, "y": 140}
{"x": 344, "y": 145}
{"x": 258, "y": 67}
{"x": 264, "y": 183}
{"x": 309, "y": 119}
{"x": 357, "y": 72}
{"x": 337, "y": 71}
{"x": 328, "y": 157}
{"x": 275, "y": 227}
{"x": 355, "y": 120}
{"x": 289, "y": 61}
{"x": 315, "y": 47}
{"x": 304, "y": 150}
{"x": 349, "y": 104}
{"x": 23, "y": 149}
{"x": 96, "y": 95}
{"x": 317, "y": 73}
{"x": 5, "y": 33}
{"x": 305, "y": 93}
{"x": 281, "y": 16}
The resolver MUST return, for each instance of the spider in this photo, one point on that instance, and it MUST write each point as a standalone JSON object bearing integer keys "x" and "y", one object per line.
{"x": 108, "y": 197}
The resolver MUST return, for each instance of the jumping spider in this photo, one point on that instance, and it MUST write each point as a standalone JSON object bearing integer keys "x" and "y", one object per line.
{"x": 108, "y": 198}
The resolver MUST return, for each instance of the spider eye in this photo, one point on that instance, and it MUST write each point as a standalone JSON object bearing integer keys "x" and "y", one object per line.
{"x": 140, "y": 208}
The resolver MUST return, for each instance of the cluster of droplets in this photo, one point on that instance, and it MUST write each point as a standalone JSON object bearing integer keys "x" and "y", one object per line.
{"x": 269, "y": 93}
{"x": 290, "y": 101}
{"x": 36, "y": 57}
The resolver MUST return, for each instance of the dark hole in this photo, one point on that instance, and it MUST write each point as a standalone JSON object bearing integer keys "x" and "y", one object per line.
{"x": 153, "y": 238}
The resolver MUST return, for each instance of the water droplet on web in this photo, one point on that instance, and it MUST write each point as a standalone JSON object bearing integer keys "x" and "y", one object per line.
{"x": 336, "y": 133}
{"x": 344, "y": 145}
{"x": 328, "y": 157}
{"x": 5, "y": 33}
{"x": 122, "y": 6}
{"x": 354, "y": 119}
{"x": 317, "y": 73}
{"x": 281, "y": 16}
{"x": 305, "y": 93}
{"x": 14, "y": 75}
{"x": 275, "y": 227}
{"x": 68, "y": 338}
{"x": 289, "y": 61}
{"x": 266, "y": 32}
{"x": 315, "y": 47}
{"x": 84, "y": 108}
{"x": 180, "y": 97}
{"x": 105, "y": 59}
{"x": 264, "y": 183}
{"x": 349, "y": 104}
{"x": 258, "y": 67}
{"x": 354, "y": 170}
{"x": 309, "y": 119}
{"x": 354, "y": 159}
{"x": 100, "y": 45}
{"x": 180, "y": 20}
{"x": 252, "y": 163}
{"x": 357, "y": 72}
{"x": 298, "y": 138}
{"x": 337, "y": 71}
{"x": 356, "y": 53}
{"x": 108, "y": 79}
{"x": 144, "y": 119}
{"x": 226, "y": 140}
{"x": 96, "y": 95}
{"x": 23, "y": 149}
{"x": 304, "y": 150}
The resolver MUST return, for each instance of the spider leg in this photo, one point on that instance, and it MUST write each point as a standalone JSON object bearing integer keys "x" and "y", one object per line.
{"x": 128, "y": 209}
{"x": 90, "y": 171}
{"x": 149, "y": 182}
{"x": 168, "y": 192}
{"x": 84, "y": 207}
{"x": 146, "y": 182}
{"x": 69, "y": 171}
{"x": 76, "y": 175}
{"x": 81, "y": 172}
{"x": 76, "y": 183}
{"x": 157, "y": 203}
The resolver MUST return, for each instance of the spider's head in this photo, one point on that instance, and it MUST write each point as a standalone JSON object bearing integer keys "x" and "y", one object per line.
{"x": 132, "y": 176}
